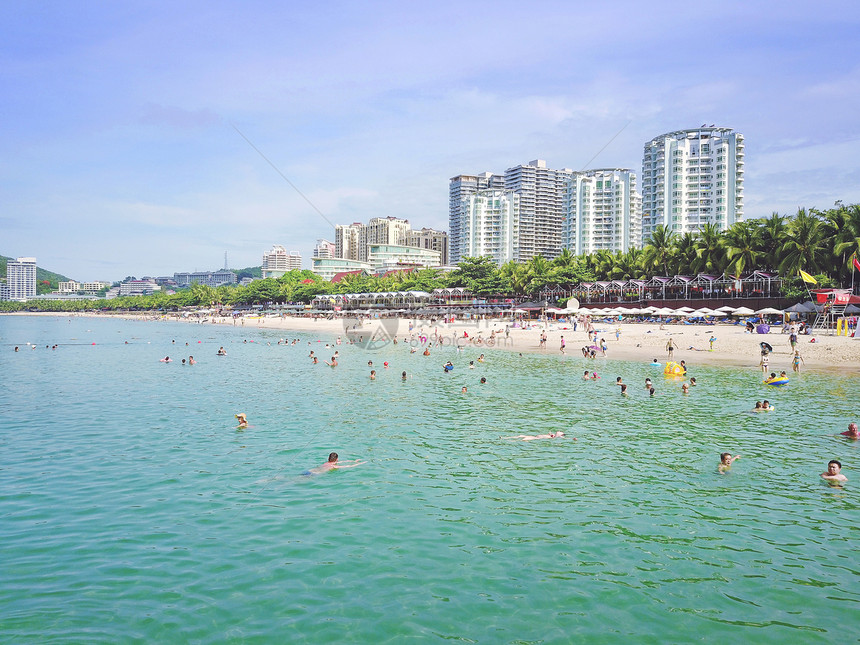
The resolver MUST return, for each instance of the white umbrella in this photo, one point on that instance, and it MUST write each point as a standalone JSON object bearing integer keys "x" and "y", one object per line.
{"x": 665, "y": 311}
{"x": 719, "y": 314}
{"x": 685, "y": 309}
{"x": 769, "y": 310}
{"x": 704, "y": 311}
{"x": 743, "y": 311}
{"x": 650, "y": 310}
{"x": 726, "y": 308}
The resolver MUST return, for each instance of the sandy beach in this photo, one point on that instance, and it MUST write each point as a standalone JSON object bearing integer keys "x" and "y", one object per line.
{"x": 640, "y": 342}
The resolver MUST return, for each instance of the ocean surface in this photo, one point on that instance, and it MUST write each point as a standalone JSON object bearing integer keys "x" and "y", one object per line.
{"x": 133, "y": 510}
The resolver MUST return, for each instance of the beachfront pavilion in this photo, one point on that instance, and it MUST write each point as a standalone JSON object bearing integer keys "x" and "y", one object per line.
{"x": 757, "y": 285}
{"x": 382, "y": 300}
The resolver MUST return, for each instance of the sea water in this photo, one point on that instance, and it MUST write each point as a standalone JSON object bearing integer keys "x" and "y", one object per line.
{"x": 132, "y": 509}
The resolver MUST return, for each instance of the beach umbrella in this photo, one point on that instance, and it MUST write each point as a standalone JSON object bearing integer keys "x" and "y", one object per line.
{"x": 719, "y": 314}
{"x": 769, "y": 310}
{"x": 706, "y": 311}
{"x": 665, "y": 311}
{"x": 685, "y": 309}
{"x": 727, "y": 308}
{"x": 744, "y": 311}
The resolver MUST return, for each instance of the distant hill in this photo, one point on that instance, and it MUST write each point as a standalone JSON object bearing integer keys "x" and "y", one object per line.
{"x": 248, "y": 272}
{"x": 46, "y": 281}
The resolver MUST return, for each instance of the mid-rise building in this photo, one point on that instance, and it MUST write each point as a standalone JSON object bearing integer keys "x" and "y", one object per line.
{"x": 388, "y": 257}
{"x": 4, "y": 291}
{"x": 459, "y": 189}
{"x": 693, "y": 177}
{"x": 277, "y": 262}
{"x": 347, "y": 241}
{"x": 324, "y": 249}
{"x": 602, "y": 212}
{"x": 327, "y": 268}
{"x": 21, "y": 278}
{"x": 489, "y": 226}
{"x": 383, "y": 230}
{"x": 143, "y": 287}
{"x": 206, "y": 278}
{"x": 430, "y": 239}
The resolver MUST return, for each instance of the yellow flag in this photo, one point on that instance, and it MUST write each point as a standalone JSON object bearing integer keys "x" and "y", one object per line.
{"x": 807, "y": 278}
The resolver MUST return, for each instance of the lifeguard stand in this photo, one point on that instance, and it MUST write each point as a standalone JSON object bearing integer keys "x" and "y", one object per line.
{"x": 833, "y": 304}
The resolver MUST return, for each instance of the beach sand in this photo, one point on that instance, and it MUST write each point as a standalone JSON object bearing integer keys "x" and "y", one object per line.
{"x": 640, "y": 342}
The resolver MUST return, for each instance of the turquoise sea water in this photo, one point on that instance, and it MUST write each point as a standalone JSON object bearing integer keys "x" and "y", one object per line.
{"x": 132, "y": 510}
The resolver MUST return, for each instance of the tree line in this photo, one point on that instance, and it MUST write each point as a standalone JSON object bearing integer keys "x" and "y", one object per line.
{"x": 822, "y": 243}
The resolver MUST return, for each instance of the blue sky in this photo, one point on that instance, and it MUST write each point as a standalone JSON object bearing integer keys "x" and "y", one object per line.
{"x": 119, "y": 156}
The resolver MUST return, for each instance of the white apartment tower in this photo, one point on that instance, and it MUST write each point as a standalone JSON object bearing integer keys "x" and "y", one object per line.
{"x": 277, "y": 262}
{"x": 383, "y": 230}
{"x": 461, "y": 188}
{"x": 21, "y": 278}
{"x": 693, "y": 177}
{"x": 541, "y": 191}
{"x": 602, "y": 211}
{"x": 347, "y": 240}
{"x": 324, "y": 249}
{"x": 489, "y": 226}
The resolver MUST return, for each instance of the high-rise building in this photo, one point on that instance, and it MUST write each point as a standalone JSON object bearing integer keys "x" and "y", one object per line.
{"x": 21, "y": 278}
{"x": 489, "y": 226}
{"x": 347, "y": 241}
{"x": 324, "y": 249}
{"x": 693, "y": 177}
{"x": 602, "y": 211}
{"x": 277, "y": 262}
{"x": 383, "y": 230}
{"x": 431, "y": 240}
{"x": 541, "y": 191}
{"x": 459, "y": 189}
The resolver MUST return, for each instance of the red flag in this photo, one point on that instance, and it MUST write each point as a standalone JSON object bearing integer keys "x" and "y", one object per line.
{"x": 856, "y": 264}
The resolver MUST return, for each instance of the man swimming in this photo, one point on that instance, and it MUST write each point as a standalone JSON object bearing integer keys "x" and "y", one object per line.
{"x": 333, "y": 464}
{"x": 852, "y": 432}
{"x": 528, "y": 437}
{"x": 243, "y": 420}
{"x": 833, "y": 472}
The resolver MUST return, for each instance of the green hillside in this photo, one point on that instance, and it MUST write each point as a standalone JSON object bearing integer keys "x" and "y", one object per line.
{"x": 46, "y": 281}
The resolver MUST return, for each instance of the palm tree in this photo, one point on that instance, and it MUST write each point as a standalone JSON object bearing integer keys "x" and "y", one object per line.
{"x": 564, "y": 259}
{"x": 805, "y": 248}
{"x": 741, "y": 248}
{"x": 710, "y": 251}
{"x": 684, "y": 254}
{"x": 772, "y": 237}
{"x": 843, "y": 227}
{"x": 658, "y": 250}
{"x": 627, "y": 265}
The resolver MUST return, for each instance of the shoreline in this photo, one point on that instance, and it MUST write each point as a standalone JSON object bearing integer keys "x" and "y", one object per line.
{"x": 638, "y": 342}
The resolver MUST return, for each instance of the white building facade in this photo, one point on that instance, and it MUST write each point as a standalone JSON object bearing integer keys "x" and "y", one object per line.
{"x": 324, "y": 249}
{"x": 277, "y": 262}
{"x": 388, "y": 257}
{"x": 430, "y": 239}
{"x": 461, "y": 188}
{"x": 327, "y": 268}
{"x": 21, "y": 278}
{"x": 489, "y": 226}
{"x": 693, "y": 177}
{"x": 347, "y": 241}
{"x": 602, "y": 211}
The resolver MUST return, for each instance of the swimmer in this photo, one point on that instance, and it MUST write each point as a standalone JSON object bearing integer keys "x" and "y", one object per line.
{"x": 766, "y": 406}
{"x": 685, "y": 389}
{"x": 585, "y": 376}
{"x": 692, "y": 381}
{"x": 333, "y": 464}
{"x": 757, "y": 407}
{"x": 594, "y": 376}
{"x": 651, "y": 391}
{"x": 372, "y": 375}
{"x": 655, "y": 363}
{"x": 852, "y": 432}
{"x": 618, "y": 381}
{"x": 385, "y": 365}
{"x": 726, "y": 460}
{"x": 403, "y": 376}
{"x": 528, "y": 437}
{"x": 333, "y": 362}
{"x": 834, "y": 473}
{"x": 683, "y": 366}
{"x": 191, "y": 360}
{"x": 483, "y": 380}
{"x": 243, "y": 420}
{"x": 471, "y": 365}
{"x": 648, "y": 383}
{"x": 166, "y": 359}
{"x": 316, "y": 360}
{"x": 481, "y": 358}
{"x": 623, "y": 389}
{"x": 183, "y": 361}
{"x": 370, "y": 363}
{"x": 427, "y": 351}
{"x": 223, "y": 352}
{"x": 464, "y": 390}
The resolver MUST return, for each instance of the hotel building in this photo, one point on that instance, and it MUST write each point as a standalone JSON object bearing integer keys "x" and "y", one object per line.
{"x": 430, "y": 239}
{"x": 324, "y": 249}
{"x": 21, "y": 278}
{"x": 489, "y": 226}
{"x": 693, "y": 177}
{"x": 277, "y": 262}
{"x": 602, "y": 212}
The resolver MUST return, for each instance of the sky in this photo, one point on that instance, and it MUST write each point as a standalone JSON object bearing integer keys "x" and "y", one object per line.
{"x": 125, "y": 127}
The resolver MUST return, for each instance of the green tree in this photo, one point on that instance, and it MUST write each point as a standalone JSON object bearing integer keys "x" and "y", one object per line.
{"x": 658, "y": 250}
{"x": 805, "y": 246}
{"x": 742, "y": 250}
